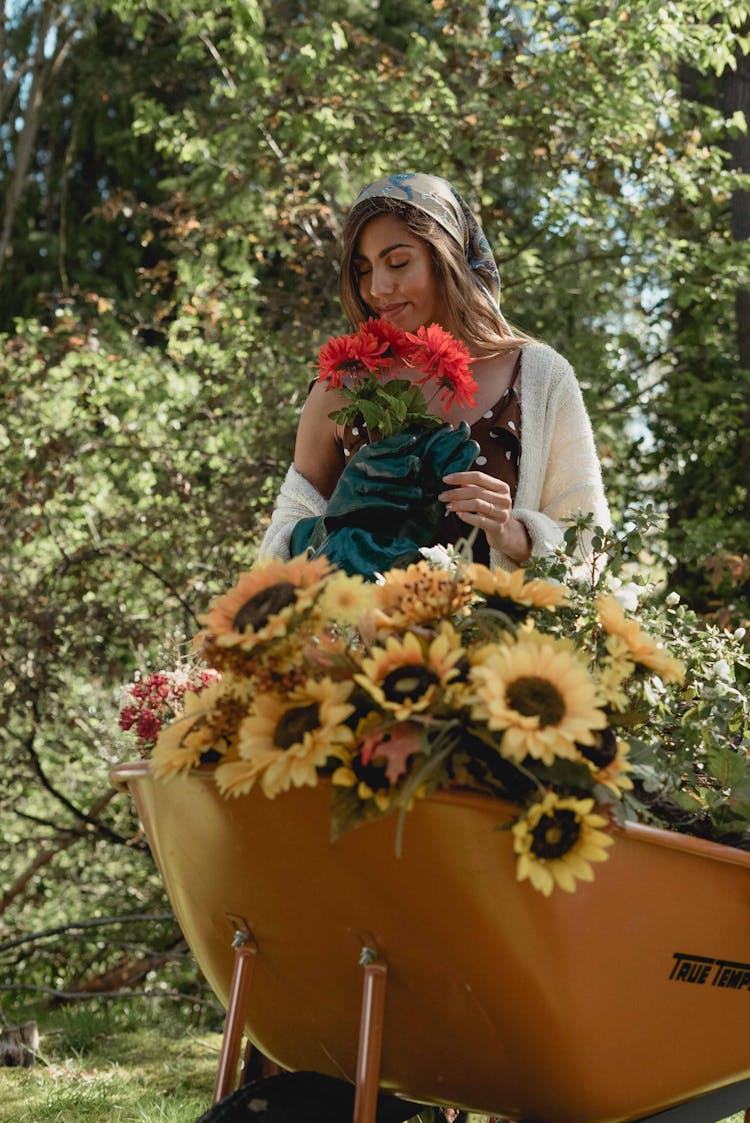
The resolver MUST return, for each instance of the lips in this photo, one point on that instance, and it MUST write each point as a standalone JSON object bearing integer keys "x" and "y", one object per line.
{"x": 391, "y": 309}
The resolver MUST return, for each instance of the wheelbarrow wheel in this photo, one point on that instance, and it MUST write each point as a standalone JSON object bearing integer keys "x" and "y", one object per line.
{"x": 302, "y": 1097}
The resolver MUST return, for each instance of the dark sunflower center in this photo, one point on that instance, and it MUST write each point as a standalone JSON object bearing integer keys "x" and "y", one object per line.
{"x": 485, "y": 764}
{"x": 256, "y": 611}
{"x": 408, "y": 683}
{"x": 555, "y": 834}
{"x": 371, "y": 774}
{"x": 295, "y": 723}
{"x": 536, "y": 697}
{"x": 604, "y": 749}
{"x": 507, "y": 606}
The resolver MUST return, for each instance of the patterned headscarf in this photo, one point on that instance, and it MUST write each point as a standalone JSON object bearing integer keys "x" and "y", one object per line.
{"x": 437, "y": 198}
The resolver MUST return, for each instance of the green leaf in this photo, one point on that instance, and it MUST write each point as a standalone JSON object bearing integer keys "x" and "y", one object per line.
{"x": 728, "y": 767}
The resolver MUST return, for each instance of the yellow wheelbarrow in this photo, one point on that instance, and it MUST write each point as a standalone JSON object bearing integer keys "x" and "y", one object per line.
{"x": 437, "y": 976}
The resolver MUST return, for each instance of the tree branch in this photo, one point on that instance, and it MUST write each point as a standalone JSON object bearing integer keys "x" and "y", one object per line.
{"x": 84, "y": 925}
{"x": 64, "y": 839}
{"x": 73, "y": 996}
{"x": 43, "y": 70}
{"x": 43, "y": 858}
{"x": 82, "y": 556}
{"x": 47, "y": 784}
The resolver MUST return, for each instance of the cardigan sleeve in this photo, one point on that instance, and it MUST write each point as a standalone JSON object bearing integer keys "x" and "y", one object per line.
{"x": 563, "y": 471}
{"x": 297, "y": 499}
{"x": 573, "y": 478}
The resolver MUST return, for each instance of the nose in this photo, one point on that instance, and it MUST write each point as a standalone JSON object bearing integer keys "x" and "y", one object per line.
{"x": 381, "y": 282}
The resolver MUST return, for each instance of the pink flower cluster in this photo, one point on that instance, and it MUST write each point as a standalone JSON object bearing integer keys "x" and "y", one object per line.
{"x": 154, "y": 701}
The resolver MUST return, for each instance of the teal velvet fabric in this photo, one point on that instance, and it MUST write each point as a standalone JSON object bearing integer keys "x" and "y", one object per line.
{"x": 385, "y": 505}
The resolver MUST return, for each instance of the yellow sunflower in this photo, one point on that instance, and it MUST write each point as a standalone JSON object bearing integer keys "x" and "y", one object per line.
{"x": 258, "y": 607}
{"x": 370, "y": 780}
{"x": 236, "y": 777}
{"x": 404, "y": 676}
{"x": 420, "y": 594}
{"x": 556, "y": 841}
{"x": 497, "y": 586}
{"x": 181, "y": 744}
{"x": 539, "y": 693}
{"x": 642, "y": 647}
{"x": 612, "y": 772}
{"x": 285, "y": 738}
{"x": 346, "y": 599}
{"x": 613, "y": 673}
{"x": 480, "y": 653}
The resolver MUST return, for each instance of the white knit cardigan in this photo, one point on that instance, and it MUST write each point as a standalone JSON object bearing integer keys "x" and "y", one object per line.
{"x": 559, "y": 473}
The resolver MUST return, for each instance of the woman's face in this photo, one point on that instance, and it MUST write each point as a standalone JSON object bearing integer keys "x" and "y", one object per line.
{"x": 395, "y": 274}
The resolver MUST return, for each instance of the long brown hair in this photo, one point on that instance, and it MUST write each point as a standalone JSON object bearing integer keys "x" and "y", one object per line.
{"x": 474, "y": 319}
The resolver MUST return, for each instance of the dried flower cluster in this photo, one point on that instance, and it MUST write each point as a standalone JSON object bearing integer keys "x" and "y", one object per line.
{"x": 152, "y": 702}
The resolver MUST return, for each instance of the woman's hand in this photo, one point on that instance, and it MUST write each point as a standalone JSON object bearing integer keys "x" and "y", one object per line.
{"x": 483, "y": 501}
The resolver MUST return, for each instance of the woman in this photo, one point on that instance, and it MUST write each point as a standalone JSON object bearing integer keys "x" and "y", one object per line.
{"x": 414, "y": 254}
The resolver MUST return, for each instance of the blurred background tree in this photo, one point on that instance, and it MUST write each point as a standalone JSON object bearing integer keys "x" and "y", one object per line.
{"x": 174, "y": 178}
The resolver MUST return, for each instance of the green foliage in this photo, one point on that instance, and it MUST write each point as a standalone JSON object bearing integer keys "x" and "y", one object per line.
{"x": 689, "y": 743}
{"x": 110, "y": 446}
{"x": 388, "y": 407}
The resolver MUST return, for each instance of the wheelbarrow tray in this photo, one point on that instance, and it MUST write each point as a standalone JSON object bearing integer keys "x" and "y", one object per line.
{"x": 625, "y": 998}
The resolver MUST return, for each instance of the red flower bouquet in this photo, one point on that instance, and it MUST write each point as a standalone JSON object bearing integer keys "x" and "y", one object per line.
{"x": 364, "y": 368}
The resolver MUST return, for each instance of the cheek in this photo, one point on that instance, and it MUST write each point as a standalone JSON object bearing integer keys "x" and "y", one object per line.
{"x": 433, "y": 294}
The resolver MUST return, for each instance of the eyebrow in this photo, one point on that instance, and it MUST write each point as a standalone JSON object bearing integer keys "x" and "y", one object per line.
{"x": 387, "y": 250}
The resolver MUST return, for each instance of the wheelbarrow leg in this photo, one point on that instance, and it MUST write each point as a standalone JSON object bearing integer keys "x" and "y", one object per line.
{"x": 370, "y": 1044}
{"x": 256, "y": 1065}
{"x": 244, "y": 961}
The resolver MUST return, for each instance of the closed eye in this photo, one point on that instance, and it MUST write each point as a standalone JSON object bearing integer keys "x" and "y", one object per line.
{"x": 364, "y": 272}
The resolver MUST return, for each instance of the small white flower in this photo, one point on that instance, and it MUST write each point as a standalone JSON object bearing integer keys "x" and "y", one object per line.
{"x": 672, "y": 600}
{"x": 654, "y": 689}
{"x": 627, "y": 596}
{"x": 739, "y": 633}
{"x": 442, "y": 557}
{"x": 722, "y": 670}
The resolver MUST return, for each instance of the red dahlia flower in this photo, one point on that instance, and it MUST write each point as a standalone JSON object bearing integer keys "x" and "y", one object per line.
{"x": 398, "y": 344}
{"x": 364, "y": 367}
{"x": 444, "y": 360}
{"x": 351, "y": 355}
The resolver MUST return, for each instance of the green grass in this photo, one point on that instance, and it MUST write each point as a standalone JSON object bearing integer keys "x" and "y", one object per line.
{"x": 124, "y": 1066}
{"x": 101, "y": 1071}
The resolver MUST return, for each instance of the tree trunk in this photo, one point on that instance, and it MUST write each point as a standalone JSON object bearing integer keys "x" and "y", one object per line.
{"x": 42, "y": 72}
{"x": 735, "y": 89}
{"x": 19, "y": 1045}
